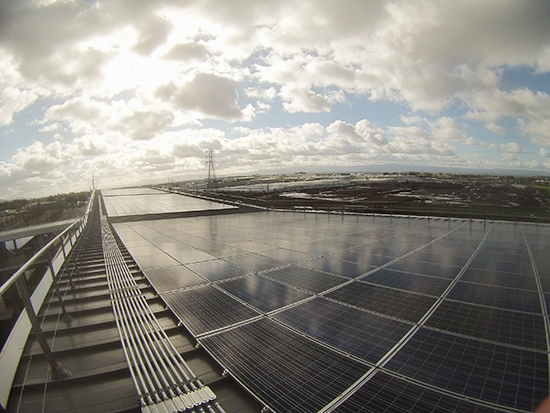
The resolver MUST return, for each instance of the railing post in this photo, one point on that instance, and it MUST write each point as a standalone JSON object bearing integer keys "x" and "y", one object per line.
{"x": 66, "y": 316}
{"x": 58, "y": 372}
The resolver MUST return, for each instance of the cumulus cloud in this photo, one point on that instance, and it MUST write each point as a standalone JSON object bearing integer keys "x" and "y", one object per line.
{"x": 207, "y": 94}
{"x": 115, "y": 80}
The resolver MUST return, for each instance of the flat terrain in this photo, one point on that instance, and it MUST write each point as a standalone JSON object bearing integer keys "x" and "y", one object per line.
{"x": 477, "y": 199}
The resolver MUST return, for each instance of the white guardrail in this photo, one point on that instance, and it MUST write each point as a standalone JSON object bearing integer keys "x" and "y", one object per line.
{"x": 56, "y": 252}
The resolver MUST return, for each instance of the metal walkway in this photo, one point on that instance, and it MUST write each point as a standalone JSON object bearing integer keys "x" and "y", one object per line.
{"x": 161, "y": 376}
{"x": 121, "y": 349}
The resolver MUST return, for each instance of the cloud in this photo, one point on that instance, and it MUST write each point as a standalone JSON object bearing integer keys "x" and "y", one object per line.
{"x": 530, "y": 109}
{"x": 127, "y": 86}
{"x": 208, "y": 94}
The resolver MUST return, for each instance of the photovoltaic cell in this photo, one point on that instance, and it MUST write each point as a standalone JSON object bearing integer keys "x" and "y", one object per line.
{"x": 505, "y": 266}
{"x": 400, "y": 304}
{"x": 206, "y": 309}
{"x": 285, "y": 255}
{"x": 305, "y": 279}
{"x": 172, "y": 278}
{"x": 334, "y": 266}
{"x": 498, "y": 374}
{"x": 263, "y": 294}
{"x": 385, "y": 393}
{"x": 365, "y": 335}
{"x": 509, "y": 298}
{"x": 409, "y": 282}
{"x": 216, "y": 270}
{"x": 427, "y": 268}
{"x": 363, "y": 257}
{"x": 155, "y": 261}
{"x": 285, "y": 370}
{"x": 255, "y": 262}
{"x": 509, "y": 327}
{"x": 499, "y": 279}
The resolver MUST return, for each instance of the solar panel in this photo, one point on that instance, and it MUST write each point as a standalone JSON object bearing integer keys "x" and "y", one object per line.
{"x": 365, "y": 335}
{"x": 254, "y": 262}
{"x": 172, "y": 278}
{"x": 494, "y": 373}
{"x": 364, "y": 257}
{"x": 509, "y": 327}
{"x": 427, "y": 268}
{"x": 305, "y": 279}
{"x": 400, "y": 304}
{"x": 509, "y": 298}
{"x": 155, "y": 261}
{"x": 263, "y": 294}
{"x": 285, "y": 255}
{"x": 408, "y": 282}
{"x": 501, "y": 265}
{"x": 484, "y": 344}
{"x": 286, "y": 371}
{"x": 216, "y": 270}
{"x": 500, "y": 279}
{"x": 386, "y": 393}
{"x": 207, "y": 309}
{"x": 337, "y": 267}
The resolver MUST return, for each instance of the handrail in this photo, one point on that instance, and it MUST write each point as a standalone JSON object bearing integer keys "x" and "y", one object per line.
{"x": 4, "y": 287}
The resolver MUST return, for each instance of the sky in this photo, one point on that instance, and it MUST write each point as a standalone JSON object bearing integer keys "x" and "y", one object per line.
{"x": 136, "y": 92}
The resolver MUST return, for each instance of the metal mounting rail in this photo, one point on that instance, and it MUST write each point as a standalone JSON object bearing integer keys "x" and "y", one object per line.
{"x": 162, "y": 379}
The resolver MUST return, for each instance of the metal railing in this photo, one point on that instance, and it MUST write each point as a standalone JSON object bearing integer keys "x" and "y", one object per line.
{"x": 55, "y": 253}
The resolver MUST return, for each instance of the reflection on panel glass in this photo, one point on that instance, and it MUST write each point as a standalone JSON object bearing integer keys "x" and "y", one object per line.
{"x": 500, "y": 279}
{"x": 172, "y": 278}
{"x": 265, "y": 295}
{"x": 409, "y": 282}
{"x": 509, "y": 298}
{"x": 306, "y": 279}
{"x": 343, "y": 268}
{"x": 254, "y": 262}
{"x": 216, "y": 270}
{"x": 400, "y": 304}
{"x": 357, "y": 332}
{"x": 485, "y": 340}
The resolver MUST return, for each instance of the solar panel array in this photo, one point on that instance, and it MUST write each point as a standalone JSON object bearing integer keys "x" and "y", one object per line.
{"x": 315, "y": 312}
{"x": 136, "y": 201}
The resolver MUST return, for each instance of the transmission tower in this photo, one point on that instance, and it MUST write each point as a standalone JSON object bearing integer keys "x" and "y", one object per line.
{"x": 211, "y": 182}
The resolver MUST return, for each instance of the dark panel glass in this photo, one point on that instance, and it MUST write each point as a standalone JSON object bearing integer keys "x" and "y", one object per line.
{"x": 172, "y": 278}
{"x": 155, "y": 261}
{"x": 216, "y": 270}
{"x": 491, "y": 372}
{"x": 335, "y": 266}
{"x": 254, "y": 262}
{"x": 500, "y": 265}
{"x": 357, "y": 332}
{"x": 207, "y": 309}
{"x": 512, "y": 299}
{"x": 285, "y": 255}
{"x": 264, "y": 294}
{"x": 509, "y": 327}
{"x": 287, "y": 371}
{"x": 500, "y": 279}
{"x": 408, "y": 306}
{"x": 427, "y": 268}
{"x": 306, "y": 279}
{"x": 388, "y": 394}
{"x": 409, "y": 282}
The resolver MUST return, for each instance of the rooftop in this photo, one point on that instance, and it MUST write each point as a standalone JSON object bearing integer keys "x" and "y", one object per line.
{"x": 302, "y": 311}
